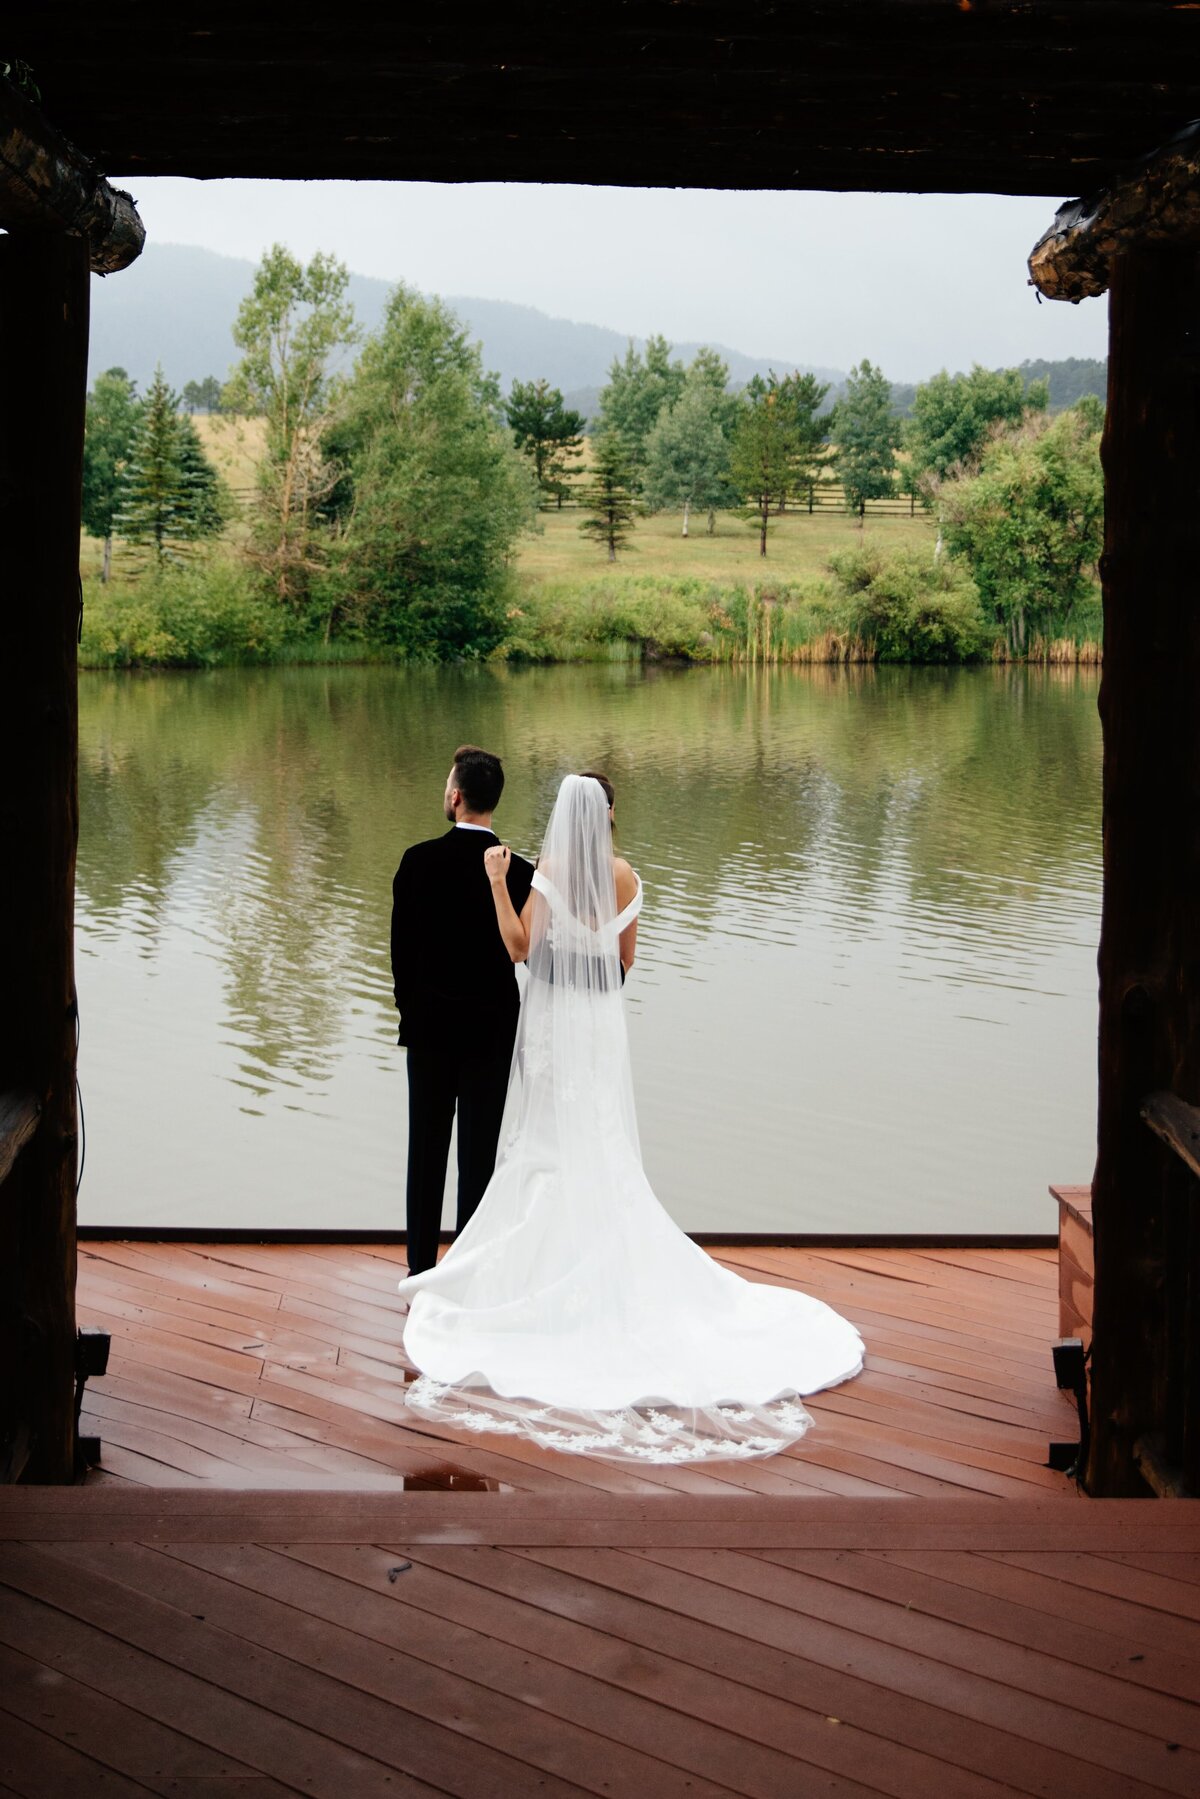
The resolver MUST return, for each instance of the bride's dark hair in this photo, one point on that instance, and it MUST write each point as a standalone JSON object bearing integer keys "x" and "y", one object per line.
{"x": 593, "y": 774}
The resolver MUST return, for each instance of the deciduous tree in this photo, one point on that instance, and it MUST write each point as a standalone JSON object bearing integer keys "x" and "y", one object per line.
{"x": 291, "y": 327}
{"x": 113, "y": 410}
{"x": 202, "y": 396}
{"x": 1030, "y": 521}
{"x": 433, "y": 493}
{"x": 638, "y": 389}
{"x": 953, "y": 414}
{"x": 687, "y": 454}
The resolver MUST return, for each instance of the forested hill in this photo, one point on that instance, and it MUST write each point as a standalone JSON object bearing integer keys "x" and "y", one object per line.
{"x": 177, "y": 303}
{"x": 1069, "y": 380}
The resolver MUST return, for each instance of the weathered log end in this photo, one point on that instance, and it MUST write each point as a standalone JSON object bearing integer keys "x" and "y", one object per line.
{"x": 1155, "y": 202}
{"x": 48, "y": 185}
{"x": 1065, "y": 263}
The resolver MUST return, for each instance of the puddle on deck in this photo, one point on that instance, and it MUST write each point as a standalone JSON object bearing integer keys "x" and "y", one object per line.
{"x": 453, "y": 1480}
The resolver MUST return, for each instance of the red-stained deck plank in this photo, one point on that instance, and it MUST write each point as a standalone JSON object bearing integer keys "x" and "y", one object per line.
{"x": 902, "y": 1698}
{"x": 99, "y": 1655}
{"x": 296, "y": 1702}
{"x": 447, "y": 1713}
{"x": 37, "y": 1765}
{"x": 911, "y": 1655}
{"x": 577, "y": 1639}
{"x": 957, "y": 1394}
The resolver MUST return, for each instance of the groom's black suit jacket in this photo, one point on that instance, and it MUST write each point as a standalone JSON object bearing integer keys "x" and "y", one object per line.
{"x": 455, "y": 984}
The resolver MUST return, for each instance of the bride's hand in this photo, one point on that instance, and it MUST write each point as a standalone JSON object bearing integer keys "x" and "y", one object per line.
{"x": 496, "y": 861}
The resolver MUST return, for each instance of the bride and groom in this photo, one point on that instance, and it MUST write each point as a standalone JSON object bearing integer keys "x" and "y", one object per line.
{"x": 570, "y": 1309}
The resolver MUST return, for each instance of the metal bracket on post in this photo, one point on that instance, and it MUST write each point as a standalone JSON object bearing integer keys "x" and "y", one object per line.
{"x": 1070, "y": 1373}
{"x": 91, "y": 1358}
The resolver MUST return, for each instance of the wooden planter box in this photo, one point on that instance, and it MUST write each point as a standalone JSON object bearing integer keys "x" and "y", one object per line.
{"x": 1076, "y": 1263}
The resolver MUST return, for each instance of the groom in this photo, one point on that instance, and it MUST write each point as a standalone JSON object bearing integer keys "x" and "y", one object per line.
{"x": 456, "y": 992}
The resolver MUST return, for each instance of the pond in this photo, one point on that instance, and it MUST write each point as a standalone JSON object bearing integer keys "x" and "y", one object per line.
{"x": 864, "y": 998}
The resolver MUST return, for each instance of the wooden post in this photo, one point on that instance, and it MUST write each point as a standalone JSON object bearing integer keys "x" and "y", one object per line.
{"x": 43, "y": 378}
{"x": 1147, "y": 1239}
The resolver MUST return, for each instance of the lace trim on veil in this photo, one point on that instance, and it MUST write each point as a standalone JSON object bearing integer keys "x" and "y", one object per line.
{"x": 648, "y": 1434}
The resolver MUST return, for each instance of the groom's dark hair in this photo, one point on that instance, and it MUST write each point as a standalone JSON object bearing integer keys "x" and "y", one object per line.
{"x": 479, "y": 777}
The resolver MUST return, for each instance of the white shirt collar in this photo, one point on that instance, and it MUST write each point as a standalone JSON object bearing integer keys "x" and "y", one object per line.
{"x": 460, "y": 824}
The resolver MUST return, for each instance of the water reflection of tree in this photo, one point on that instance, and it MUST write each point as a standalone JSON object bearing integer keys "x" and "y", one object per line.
{"x": 275, "y": 804}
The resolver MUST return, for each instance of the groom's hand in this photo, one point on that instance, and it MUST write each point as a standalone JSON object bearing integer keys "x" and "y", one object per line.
{"x": 496, "y": 861}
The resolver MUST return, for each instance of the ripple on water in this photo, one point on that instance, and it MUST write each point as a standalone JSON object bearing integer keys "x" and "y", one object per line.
{"x": 834, "y": 861}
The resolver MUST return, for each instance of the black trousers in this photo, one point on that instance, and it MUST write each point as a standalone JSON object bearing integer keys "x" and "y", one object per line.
{"x": 439, "y": 1081}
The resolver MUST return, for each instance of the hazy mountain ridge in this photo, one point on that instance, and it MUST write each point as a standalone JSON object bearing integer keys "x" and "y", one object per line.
{"x": 177, "y": 303}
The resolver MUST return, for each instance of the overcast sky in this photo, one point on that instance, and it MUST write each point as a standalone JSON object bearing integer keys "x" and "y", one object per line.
{"x": 915, "y": 282}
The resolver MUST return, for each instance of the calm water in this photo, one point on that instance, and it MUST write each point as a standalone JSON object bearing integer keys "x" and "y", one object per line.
{"x": 865, "y": 989}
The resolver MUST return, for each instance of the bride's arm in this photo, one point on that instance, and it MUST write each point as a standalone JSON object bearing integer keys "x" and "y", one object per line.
{"x": 626, "y": 882}
{"x": 514, "y": 927}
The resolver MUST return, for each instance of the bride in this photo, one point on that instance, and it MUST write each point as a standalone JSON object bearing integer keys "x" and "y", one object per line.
{"x": 571, "y": 1309}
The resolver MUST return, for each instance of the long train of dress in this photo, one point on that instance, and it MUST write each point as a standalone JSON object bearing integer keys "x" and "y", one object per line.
{"x": 572, "y": 1309}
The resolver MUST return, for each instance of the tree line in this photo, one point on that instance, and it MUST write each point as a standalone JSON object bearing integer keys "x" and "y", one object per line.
{"x": 392, "y": 491}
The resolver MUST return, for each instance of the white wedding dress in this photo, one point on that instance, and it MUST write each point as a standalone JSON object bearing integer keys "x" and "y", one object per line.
{"x": 571, "y": 1309}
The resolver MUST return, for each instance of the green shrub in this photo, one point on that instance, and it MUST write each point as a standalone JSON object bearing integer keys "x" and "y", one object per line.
{"x": 910, "y": 607}
{"x": 196, "y": 616}
{"x": 650, "y": 616}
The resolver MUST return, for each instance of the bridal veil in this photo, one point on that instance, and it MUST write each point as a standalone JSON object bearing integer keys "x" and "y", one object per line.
{"x": 572, "y": 1310}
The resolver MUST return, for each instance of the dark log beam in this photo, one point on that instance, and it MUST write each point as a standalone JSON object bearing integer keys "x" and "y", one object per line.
{"x": 1156, "y": 202}
{"x": 1146, "y": 1341}
{"x": 43, "y": 377}
{"x": 48, "y": 186}
{"x": 1009, "y": 96}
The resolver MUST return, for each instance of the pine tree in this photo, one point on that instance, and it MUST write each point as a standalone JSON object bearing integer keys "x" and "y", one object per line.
{"x": 207, "y": 498}
{"x": 608, "y": 495}
{"x": 168, "y": 494}
{"x": 548, "y": 432}
{"x": 865, "y": 435}
{"x": 803, "y": 395}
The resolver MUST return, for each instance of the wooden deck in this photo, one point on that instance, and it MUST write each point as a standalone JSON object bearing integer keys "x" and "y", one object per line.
{"x": 255, "y": 1598}
{"x": 205, "y": 1642}
{"x": 281, "y": 1365}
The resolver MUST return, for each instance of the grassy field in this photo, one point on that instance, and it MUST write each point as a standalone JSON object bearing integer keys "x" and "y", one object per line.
{"x": 234, "y": 446}
{"x": 798, "y": 547}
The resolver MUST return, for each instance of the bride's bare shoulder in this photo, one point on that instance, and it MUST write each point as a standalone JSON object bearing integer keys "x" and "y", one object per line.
{"x": 626, "y": 881}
